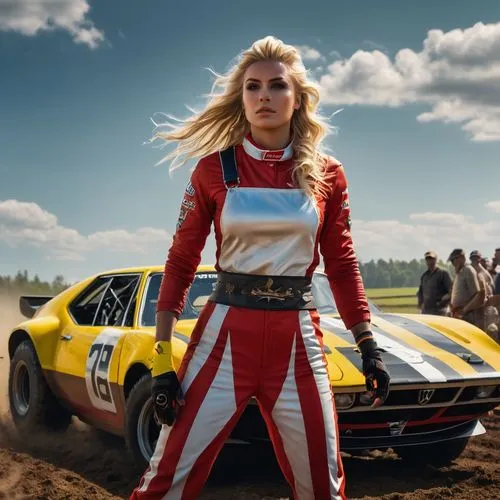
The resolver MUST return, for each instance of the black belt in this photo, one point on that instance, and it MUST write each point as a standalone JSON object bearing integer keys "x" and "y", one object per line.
{"x": 263, "y": 292}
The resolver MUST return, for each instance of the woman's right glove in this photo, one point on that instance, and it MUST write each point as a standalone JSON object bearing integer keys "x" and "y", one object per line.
{"x": 374, "y": 369}
{"x": 165, "y": 388}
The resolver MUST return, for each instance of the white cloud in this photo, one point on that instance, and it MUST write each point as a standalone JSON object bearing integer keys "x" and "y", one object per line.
{"x": 119, "y": 240}
{"x": 309, "y": 53}
{"x": 30, "y": 17}
{"x": 456, "y": 73}
{"x": 441, "y": 218}
{"x": 23, "y": 223}
{"x": 25, "y": 214}
{"x": 494, "y": 206}
{"x": 441, "y": 232}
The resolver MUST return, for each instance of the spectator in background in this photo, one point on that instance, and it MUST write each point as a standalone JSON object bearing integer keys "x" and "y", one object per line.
{"x": 476, "y": 260}
{"x": 487, "y": 285}
{"x": 488, "y": 265}
{"x": 467, "y": 297}
{"x": 434, "y": 292}
{"x": 495, "y": 271}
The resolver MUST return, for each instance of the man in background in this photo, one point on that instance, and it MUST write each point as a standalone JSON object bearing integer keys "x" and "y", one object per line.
{"x": 467, "y": 297}
{"x": 477, "y": 261}
{"x": 434, "y": 292}
{"x": 486, "y": 284}
{"x": 495, "y": 270}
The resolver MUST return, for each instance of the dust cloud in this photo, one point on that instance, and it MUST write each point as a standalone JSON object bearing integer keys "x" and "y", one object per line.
{"x": 10, "y": 316}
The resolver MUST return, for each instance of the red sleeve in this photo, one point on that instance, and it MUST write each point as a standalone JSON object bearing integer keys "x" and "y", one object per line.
{"x": 193, "y": 227}
{"x": 336, "y": 246}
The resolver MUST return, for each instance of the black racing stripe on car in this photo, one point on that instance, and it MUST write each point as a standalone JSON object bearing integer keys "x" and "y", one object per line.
{"x": 440, "y": 340}
{"x": 400, "y": 372}
{"x": 450, "y": 374}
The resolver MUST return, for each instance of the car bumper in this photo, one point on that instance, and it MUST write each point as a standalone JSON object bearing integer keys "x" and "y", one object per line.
{"x": 458, "y": 431}
{"x": 392, "y": 433}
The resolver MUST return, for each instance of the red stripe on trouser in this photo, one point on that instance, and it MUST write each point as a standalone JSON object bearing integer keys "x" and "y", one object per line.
{"x": 340, "y": 467}
{"x": 315, "y": 321}
{"x": 291, "y": 405}
{"x": 279, "y": 449}
{"x": 314, "y": 422}
{"x": 218, "y": 381}
{"x": 194, "y": 340}
{"x": 273, "y": 355}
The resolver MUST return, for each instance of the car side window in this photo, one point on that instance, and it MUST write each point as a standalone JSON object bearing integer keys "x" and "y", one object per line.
{"x": 117, "y": 301}
{"x": 83, "y": 308}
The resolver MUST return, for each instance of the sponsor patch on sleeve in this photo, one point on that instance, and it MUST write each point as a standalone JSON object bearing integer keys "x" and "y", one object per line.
{"x": 190, "y": 189}
{"x": 188, "y": 203}
{"x": 345, "y": 208}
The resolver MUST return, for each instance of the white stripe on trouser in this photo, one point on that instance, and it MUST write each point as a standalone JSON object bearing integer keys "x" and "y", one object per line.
{"x": 155, "y": 459}
{"x": 316, "y": 360}
{"x": 205, "y": 345}
{"x": 215, "y": 412}
{"x": 288, "y": 418}
{"x": 202, "y": 351}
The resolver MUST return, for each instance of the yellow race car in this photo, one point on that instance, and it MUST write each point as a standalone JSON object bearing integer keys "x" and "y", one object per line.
{"x": 87, "y": 353}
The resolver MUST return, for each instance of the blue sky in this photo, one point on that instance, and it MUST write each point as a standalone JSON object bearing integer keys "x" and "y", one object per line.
{"x": 419, "y": 130}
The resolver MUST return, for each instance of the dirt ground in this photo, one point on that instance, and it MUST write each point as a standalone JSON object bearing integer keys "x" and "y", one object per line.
{"x": 78, "y": 465}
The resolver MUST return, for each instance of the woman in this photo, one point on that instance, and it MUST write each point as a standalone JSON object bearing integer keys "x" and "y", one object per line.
{"x": 274, "y": 200}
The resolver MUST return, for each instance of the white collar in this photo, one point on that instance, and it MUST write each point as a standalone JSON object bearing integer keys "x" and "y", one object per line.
{"x": 267, "y": 154}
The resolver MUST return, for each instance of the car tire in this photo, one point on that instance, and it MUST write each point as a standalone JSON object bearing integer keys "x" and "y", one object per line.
{"x": 437, "y": 455}
{"x": 141, "y": 429}
{"x": 32, "y": 405}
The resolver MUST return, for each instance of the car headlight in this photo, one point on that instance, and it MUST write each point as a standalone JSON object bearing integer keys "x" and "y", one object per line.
{"x": 485, "y": 391}
{"x": 366, "y": 398}
{"x": 344, "y": 401}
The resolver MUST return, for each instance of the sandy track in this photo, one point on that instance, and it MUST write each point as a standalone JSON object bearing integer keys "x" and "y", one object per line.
{"x": 77, "y": 465}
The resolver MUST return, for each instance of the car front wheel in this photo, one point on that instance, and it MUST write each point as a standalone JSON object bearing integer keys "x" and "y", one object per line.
{"x": 32, "y": 404}
{"x": 141, "y": 428}
{"x": 438, "y": 455}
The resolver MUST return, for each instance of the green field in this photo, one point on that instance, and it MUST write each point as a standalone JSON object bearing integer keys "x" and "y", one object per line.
{"x": 401, "y": 300}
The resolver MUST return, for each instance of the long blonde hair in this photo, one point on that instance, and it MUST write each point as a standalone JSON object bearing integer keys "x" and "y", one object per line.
{"x": 223, "y": 123}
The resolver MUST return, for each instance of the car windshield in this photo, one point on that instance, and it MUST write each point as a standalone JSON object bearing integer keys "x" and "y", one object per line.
{"x": 203, "y": 285}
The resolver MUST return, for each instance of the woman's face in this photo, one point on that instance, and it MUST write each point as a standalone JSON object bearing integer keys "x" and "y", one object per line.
{"x": 269, "y": 96}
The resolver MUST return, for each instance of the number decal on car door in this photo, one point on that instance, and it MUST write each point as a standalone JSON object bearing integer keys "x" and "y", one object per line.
{"x": 97, "y": 369}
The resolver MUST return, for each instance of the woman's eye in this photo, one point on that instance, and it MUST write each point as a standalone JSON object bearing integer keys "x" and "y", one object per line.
{"x": 279, "y": 85}
{"x": 252, "y": 86}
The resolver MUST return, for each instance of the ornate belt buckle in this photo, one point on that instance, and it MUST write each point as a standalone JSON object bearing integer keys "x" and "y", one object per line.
{"x": 266, "y": 292}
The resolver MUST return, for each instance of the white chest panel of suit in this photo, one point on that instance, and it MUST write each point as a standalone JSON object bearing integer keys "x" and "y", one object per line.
{"x": 268, "y": 231}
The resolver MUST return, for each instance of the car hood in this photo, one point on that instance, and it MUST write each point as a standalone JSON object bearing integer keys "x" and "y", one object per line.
{"x": 416, "y": 349}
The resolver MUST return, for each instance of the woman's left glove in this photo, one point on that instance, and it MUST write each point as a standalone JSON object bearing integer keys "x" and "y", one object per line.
{"x": 374, "y": 369}
{"x": 165, "y": 388}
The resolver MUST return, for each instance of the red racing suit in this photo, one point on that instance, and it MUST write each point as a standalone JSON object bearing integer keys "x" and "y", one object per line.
{"x": 264, "y": 226}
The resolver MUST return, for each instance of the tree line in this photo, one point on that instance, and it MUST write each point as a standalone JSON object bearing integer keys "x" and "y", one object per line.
{"x": 22, "y": 283}
{"x": 376, "y": 274}
{"x": 396, "y": 273}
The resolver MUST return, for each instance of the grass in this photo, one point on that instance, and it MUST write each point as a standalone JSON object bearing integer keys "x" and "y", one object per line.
{"x": 398, "y": 300}
{"x": 386, "y": 292}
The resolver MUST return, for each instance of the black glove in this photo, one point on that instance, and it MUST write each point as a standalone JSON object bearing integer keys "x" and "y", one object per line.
{"x": 167, "y": 397}
{"x": 375, "y": 371}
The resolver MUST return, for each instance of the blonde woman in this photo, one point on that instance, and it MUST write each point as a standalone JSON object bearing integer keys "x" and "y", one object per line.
{"x": 276, "y": 202}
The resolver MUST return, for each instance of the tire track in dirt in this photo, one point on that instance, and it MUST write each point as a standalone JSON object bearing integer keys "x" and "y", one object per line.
{"x": 78, "y": 465}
